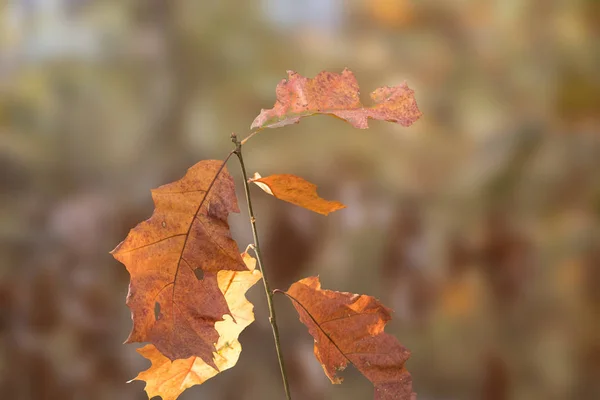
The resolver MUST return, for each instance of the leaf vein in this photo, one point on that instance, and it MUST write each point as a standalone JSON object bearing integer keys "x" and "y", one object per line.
{"x": 150, "y": 244}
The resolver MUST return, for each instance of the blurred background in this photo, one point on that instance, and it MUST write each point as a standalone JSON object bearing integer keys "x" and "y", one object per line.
{"x": 479, "y": 225}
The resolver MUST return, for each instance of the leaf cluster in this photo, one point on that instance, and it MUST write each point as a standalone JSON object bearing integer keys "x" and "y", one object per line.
{"x": 188, "y": 281}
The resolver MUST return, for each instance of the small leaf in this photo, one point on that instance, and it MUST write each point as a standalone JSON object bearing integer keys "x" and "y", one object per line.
{"x": 338, "y": 95}
{"x": 169, "y": 379}
{"x": 296, "y": 190}
{"x": 187, "y": 231}
{"x": 348, "y": 328}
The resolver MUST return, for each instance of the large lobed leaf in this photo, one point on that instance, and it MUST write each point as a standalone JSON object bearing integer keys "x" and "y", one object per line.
{"x": 169, "y": 379}
{"x": 338, "y": 95}
{"x": 174, "y": 258}
{"x": 348, "y": 328}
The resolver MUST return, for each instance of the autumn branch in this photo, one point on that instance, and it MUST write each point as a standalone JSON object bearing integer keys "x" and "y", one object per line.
{"x": 256, "y": 248}
{"x": 194, "y": 329}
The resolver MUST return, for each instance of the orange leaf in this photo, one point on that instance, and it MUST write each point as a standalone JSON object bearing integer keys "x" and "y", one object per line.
{"x": 296, "y": 190}
{"x": 169, "y": 379}
{"x": 348, "y": 328}
{"x": 173, "y": 259}
{"x": 337, "y": 94}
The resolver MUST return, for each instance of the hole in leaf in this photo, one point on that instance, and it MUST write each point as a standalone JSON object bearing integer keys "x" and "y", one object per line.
{"x": 157, "y": 311}
{"x": 199, "y": 274}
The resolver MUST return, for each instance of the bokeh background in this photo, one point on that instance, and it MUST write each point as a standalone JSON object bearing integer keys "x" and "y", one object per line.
{"x": 479, "y": 225}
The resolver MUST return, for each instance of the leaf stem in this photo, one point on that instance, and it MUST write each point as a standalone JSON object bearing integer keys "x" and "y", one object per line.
{"x": 256, "y": 248}
{"x": 252, "y": 133}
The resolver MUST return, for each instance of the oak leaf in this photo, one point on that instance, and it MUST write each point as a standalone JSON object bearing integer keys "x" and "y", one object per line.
{"x": 296, "y": 190}
{"x": 338, "y": 95}
{"x": 169, "y": 379}
{"x": 173, "y": 259}
{"x": 348, "y": 328}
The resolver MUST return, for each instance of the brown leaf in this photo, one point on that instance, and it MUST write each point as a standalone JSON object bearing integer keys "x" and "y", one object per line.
{"x": 338, "y": 95}
{"x": 173, "y": 259}
{"x": 348, "y": 328}
{"x": 169, "y": 379}
{"x": 296, "y": 190}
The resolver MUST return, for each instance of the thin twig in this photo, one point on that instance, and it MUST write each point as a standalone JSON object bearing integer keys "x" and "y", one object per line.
{"x": 256, "y": 248}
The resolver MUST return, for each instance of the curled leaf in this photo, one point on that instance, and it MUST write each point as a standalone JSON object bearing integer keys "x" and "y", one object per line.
{"x": 174, "y": 258}
{"x": 338, "y": 95}
{"x": 169, "y": 379}
{"x": 348, "y": 328}
{"x": 296, "y": 190}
